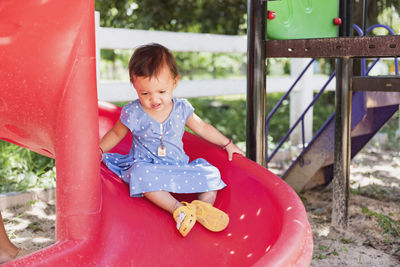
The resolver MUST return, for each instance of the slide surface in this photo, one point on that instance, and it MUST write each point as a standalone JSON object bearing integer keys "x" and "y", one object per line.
{"x": 48, "y": 104}
{"x": 268, "y": 223}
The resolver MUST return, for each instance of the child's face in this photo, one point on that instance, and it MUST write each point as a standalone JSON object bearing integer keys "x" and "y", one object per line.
{"x": 155, "y": 93}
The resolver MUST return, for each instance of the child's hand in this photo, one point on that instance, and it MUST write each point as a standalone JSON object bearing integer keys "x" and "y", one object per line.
{"x": 231, "y": 149}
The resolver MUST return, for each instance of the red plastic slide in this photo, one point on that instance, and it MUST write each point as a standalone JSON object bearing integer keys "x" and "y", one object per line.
{"x": 48, "y": 104}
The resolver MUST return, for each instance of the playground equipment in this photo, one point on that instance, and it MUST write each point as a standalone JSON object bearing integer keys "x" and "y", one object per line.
{"x": 297, "y": 19}
{"x": 48, "y": 104}
{"x": 370, "y": 111}
{"x": 358, "y": 115}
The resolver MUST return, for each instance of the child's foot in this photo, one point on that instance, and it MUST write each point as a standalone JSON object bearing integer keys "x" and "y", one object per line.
{"x": 210, "y": 217}
{"x": 185, "y": 219}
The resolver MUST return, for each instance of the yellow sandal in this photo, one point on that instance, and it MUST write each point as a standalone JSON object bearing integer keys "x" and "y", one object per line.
{"x": 210, "y": 217}
{"x": 185, "y": 219}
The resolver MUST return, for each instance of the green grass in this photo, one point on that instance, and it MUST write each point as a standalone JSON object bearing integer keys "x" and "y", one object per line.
{"x": 324, "y": 251}
{"x": 390, "y": 227}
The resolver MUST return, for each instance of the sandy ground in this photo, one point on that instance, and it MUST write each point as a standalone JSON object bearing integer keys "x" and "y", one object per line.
{"x": 375, "y": 182}
{"x": 31, "y": 226}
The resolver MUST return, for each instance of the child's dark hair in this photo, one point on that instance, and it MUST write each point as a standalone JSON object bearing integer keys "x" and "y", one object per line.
{"x": 147, "y": 61}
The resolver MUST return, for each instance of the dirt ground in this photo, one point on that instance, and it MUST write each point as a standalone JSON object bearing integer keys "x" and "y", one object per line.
{"x": 375, "y": 186}
{"x": 375, "y": 183}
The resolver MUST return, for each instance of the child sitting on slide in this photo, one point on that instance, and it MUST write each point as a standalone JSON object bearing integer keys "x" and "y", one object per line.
{"x": 157, "y": 164}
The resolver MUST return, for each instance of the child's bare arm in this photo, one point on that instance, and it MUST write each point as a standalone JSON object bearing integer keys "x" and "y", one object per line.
{"x": 114, "y": 136}
{"x": 211, "y": 134}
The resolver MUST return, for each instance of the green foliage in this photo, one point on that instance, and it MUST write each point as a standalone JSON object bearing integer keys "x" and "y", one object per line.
{"x": 207, "y": 16}
{"x": 278, "y": 66}
{"x": 227, "y": 115}
{"x": 279, "y": 124}
{"x": 22, "y": 169}
{"x": 208, "y": 65}
{"x": 324, "y": 107}
{"x": 385, "y": 12}
{"x": 390, "y": 227}
{"x": 392, "y": 129}
{"x": 191, "y": 65}
{"x": 114, "y": 64}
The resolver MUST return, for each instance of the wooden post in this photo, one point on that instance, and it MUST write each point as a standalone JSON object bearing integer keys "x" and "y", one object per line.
{"x": 342, "y": 156}
{"x": 341, "y": 166}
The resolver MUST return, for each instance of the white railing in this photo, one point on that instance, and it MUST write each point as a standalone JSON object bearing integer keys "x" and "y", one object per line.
{"x": 113, "y": 38}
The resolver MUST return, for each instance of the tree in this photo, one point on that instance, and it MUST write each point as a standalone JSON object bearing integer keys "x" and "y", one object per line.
{"x": 375, "y": 8}
{"x": 205, "y": 16}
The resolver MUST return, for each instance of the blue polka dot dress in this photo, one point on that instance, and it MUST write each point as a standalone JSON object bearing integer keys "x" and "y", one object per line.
{"x": 145, "y": 170}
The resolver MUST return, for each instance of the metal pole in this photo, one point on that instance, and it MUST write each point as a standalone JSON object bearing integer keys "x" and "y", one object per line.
{"x": 256, "y": 80}
{"x": 364, "y": 16}
{"x": 342, "y": 157}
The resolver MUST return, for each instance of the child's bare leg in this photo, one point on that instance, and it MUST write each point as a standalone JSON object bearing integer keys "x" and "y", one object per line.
{"x": 208, "y": 197}
{"x": 163, "y": 200}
